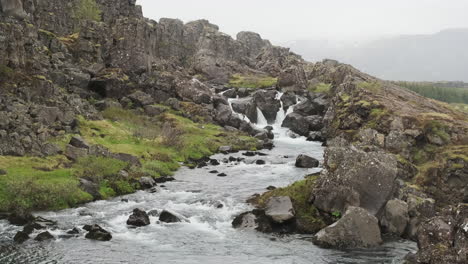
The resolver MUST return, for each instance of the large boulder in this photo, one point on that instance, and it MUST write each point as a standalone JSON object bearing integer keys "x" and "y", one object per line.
{"x": 138, "y": 218}
{"x": 297, "y": 123}
{"x": 194, "y": 91}
{"x": 13, "y": 8}
{"x": 266, "y": 101}
{"x": 369, "y": 175}
{"x": 170, "y": 217}
{"x": 304, "y": 161}
{"x": 289, "y": 99}
{"x": 146, "y": 182}
{"x": 395, "y": 217}
{"x": 444, "y": 239}
{"x": 357, "y": 228}
{"x": 95, "y": 232}
{"x": 141, "y": 99}
{"x": 280, "y": 209}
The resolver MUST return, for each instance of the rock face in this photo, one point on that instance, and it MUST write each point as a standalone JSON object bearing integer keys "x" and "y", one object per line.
{"x": 280, "y": 209}
{"x": 13, "y": 8}
{"x": 95, "y": 232}
{"x": 364, "y": 179}
{"x": 357, "y": 228}
{"x": 304, "y": 161}
{"x": 444, "y": 239}
{"x": 395, "y": 217}
{"x": 138, "y": 218}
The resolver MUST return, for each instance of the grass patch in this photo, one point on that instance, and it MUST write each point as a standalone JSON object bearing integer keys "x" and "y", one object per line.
{"x": 38, "y": 183}
{"x": 320, "y": 88}
{"x": 252, "y": 81}
{"x": 299, "y": 192}
{"x": 87, "y": 10}
{"x": 370, "y": 86}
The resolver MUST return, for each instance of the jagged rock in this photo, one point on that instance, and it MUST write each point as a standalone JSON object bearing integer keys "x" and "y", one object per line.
{"x": 95, "y": 232}
{"x": 260, "y": 162}
{"x": 357, "y": 228}
{"x": 132, "y": 160}
{"x": 73, "y": 231}
{"x": 395, "y": 217}
{"x": 141, "y": 99}
{"x": 297, "y": 124}
{"x": 316, "y": 136}
{"x": 169, "y": 217}
{"x": 225, "y": 149}
{"x": 138, "y": 218}
{"x": 153, "y": 110}
{"x": 91, "y": 188}
{"x": 304, "y": 161}
{"x": 280, "y": 209}
{"x": 315, "y": 122}
{"x": 78, "y": 142}
{"x": 146, "y": 182}
{"x": 266, "y": 101}
{"x": 107, "y": 103}
{"x": 74, "y": 153}
{"x": 289, "y": 99}
{"x": 370, "y": 176}
{"x": 21, "y": 237}
{"x": 231, "y": 93}
{"x": 20, "y": 219}
{"x": 13, "y": 8}
{"x": 44, "y": 236}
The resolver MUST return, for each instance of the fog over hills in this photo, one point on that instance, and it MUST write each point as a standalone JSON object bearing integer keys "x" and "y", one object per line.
{"x": 433, "y": 57}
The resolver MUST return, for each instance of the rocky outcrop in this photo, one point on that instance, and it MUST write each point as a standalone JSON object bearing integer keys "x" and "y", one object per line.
{"x": 138, "y": 218}
{"x": 280, "y": 209}
{"x": 395, "y": 217}
{"x": 304, "y": 161}
{"x": 365, "y": 179}
{"x": 444, "y": 239}
{"x": 95, "y": 232}
{"x": 357, "y": 228}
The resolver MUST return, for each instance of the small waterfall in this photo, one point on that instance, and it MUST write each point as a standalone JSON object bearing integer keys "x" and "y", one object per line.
{"x": 261, "y": 120}
{"x": 241, "y": 116}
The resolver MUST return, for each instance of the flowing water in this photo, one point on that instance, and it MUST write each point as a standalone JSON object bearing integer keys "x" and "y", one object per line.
{"x": 208, "y": 236}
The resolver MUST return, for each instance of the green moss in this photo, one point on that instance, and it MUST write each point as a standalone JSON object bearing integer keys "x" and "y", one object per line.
{"x": 122, "y": 187}
{"x": 299, "y": 192}
{"x": 5, "y": 72}
{"x": 98, "y": 169}
{"x": 364, "y": 103}
{"x": 47, "y": 33}
{"x": 370, "y": 86}
{"x": 106, "y": 191}
{"x": 320, "y": 88}
{"x": 438, "y": 129}
{"x": 345, "y": 97}
{"x": 252, "y": 81}
{"x": 87, "y": 10}
{"x": 38, "y": 183}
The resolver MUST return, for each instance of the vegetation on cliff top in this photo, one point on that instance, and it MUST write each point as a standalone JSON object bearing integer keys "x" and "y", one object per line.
{"x": 252, "y": 81}
{"x": 87, "y": 10}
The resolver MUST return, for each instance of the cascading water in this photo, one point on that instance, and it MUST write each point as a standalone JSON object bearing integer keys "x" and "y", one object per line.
{"x": 208, "y": 236}
{"x": 261, "y": 120}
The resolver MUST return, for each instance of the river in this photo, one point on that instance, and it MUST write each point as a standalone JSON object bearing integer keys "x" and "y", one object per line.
{"x": 208, "y": 236}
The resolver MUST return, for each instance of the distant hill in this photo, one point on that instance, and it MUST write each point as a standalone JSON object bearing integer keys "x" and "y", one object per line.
{"x": 436, "y": 57}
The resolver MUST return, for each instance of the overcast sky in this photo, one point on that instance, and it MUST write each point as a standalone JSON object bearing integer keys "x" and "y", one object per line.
{"x": 288, "y": 20}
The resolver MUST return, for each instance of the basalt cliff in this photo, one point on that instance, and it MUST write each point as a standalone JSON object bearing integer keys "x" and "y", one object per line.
{"x": 97, "y": 100}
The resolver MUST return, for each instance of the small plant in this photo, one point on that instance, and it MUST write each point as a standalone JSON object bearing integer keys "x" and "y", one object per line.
{"x": 87, "y": 10}
{"x": 171, "y": 135}
{"x": 336, "y": 214}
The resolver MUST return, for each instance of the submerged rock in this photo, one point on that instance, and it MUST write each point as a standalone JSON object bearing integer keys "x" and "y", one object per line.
{"x": 280, "y": 209}
{"x": 357, "y": 228}
{"x": 44, "y": 236}
{"x": 95, "y": 232}
{"x": 169, "y": 217}
{"x": 304, "y": 161}
{"x": 21, "y": 237}
{"x": 20, "y": 219}
{"x": 138, "y": 218}
{"x": 146, "y": 182}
